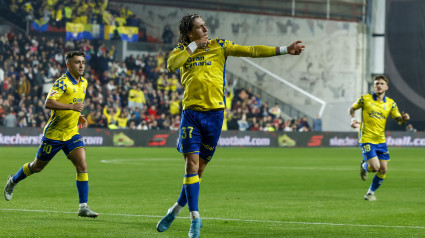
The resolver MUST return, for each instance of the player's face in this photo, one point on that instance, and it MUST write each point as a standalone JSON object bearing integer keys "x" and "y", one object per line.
{"x": 380, "y": 86}
{"x": 76, "y": 65}
{"x": 199, "y": 30}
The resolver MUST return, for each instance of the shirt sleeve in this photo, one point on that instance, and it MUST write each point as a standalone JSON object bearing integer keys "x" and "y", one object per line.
{"x": 359, "y": 103}
{"x": 177, "y": 58}
{"x": 394, "y": 111}
{"x": 57, "y": 90}
{"x": 256, "y": 51}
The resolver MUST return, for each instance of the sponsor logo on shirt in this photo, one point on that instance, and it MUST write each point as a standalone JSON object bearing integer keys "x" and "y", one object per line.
{"x": 53, "y": 93}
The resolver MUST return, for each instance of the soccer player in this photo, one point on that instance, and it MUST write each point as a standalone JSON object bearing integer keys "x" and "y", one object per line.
{"x": 65, "y": 100}
{"x": 376, "y": 108}
{"x": 202, "y": 66}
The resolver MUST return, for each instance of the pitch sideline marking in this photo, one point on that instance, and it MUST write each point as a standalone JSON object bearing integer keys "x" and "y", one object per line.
{"x": 140, "y": 161}
{"x": 227, "y": 219}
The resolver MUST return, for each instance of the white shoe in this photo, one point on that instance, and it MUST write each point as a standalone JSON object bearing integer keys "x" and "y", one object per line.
{"x": 85, "y": 211}
{"x": 369, "y": 197}
{"x": 8, "y": 189}
{"x": 363, "y": 172}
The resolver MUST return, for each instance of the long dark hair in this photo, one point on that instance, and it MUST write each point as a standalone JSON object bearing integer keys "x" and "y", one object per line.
{"x": 186, "y": 25}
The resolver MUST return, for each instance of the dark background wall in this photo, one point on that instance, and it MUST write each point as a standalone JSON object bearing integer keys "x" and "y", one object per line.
{"x": 405, "y": 58}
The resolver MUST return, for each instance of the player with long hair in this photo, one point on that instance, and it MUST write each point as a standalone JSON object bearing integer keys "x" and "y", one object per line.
{"x": 201, "y": 62}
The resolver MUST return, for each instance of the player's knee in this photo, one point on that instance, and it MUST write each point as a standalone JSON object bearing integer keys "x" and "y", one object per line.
{"x": 200, "y": 171}
{"x": 191, "y": 168}
{"x": 374, "y": 168}
{"x": 81, "y": 168}
{"x": 35, "y": 169}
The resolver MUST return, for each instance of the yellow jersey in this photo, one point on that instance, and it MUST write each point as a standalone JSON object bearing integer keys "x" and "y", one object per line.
{"x": 137, "y": 96}
{"x": 63, "y": 124}
{"x": 374, "y": 117}
{"x": 203, "y": 72}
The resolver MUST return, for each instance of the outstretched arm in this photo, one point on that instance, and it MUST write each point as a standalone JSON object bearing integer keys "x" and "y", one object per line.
{"x": 258, "y": 51}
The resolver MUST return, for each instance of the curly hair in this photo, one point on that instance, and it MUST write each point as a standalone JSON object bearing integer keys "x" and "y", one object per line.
{"x": 186, "y": 25}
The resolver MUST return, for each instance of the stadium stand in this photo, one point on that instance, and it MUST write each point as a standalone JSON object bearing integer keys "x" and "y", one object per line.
{"x": 136, "y": 93}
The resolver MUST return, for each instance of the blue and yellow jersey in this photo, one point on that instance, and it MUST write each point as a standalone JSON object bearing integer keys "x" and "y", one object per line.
{"x": 203, "y": 72}
{"x": 374, "y": 117}
{"x": 63, "y": 124}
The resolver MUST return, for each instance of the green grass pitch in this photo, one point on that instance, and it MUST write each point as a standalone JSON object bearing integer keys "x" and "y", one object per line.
{"x": 245, "y": 192}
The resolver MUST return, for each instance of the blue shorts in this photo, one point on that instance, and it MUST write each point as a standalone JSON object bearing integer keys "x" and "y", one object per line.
{"x": 48, "y": 148}
{"x": 375, "y": 150}
{"x": 199, "y": 132}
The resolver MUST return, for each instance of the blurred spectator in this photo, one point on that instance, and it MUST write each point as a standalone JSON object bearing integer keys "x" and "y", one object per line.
{"x": 1, "y": 74}
{"x": 10, "y": 119}
{"x": 91, "y": 119}
{"x": 122, "y": 120}
{"x": 174, "y": 105}
{"x": 22, "y": 120}
{"x": 303, "y": 125}
{"x": 317, "y": 124}
{"x": 112, "y": 115}
{"x": 24, "y": 87}
{"x": 136, "y": 97}
{"x": 264, "y": 110}
{"x": 134, "y": 120}
{"x": 175, "y": 124}
{"x": 152, "y": 112}
{"x": 410, "y": 128}
{"x": 242, "y": 123}
{"x": 275, "y": 111}
{"x": 167, "y": 35}
{"x": 2, "y": 112}
{"x": 269, "y": 127}
{"x": 163, "y": 122}
{"x": 154, "y": 126}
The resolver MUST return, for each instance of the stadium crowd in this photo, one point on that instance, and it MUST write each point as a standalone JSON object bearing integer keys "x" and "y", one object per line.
{"x": 137, "y": 93}
{"x": 56, "y": 13}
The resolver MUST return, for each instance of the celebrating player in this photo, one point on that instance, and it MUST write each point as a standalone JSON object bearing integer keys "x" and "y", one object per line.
{"x": 65, "y": 100}
{"x": 376, "y": 108}
{"x": 202, "y": 66}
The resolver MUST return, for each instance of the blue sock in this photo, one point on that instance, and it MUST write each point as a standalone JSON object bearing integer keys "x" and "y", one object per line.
{"x": 83, "y": 187}
{"x": 182, "y": 201}
{"x": 191, "y": 185}
{"x": 22, "y": 173}
{"x": 377, "y": 181}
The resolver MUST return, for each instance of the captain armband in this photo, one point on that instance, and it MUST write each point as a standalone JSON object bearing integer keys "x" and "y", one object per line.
{"x": 192, "y": 46}
{"x": 283, "y": 50}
